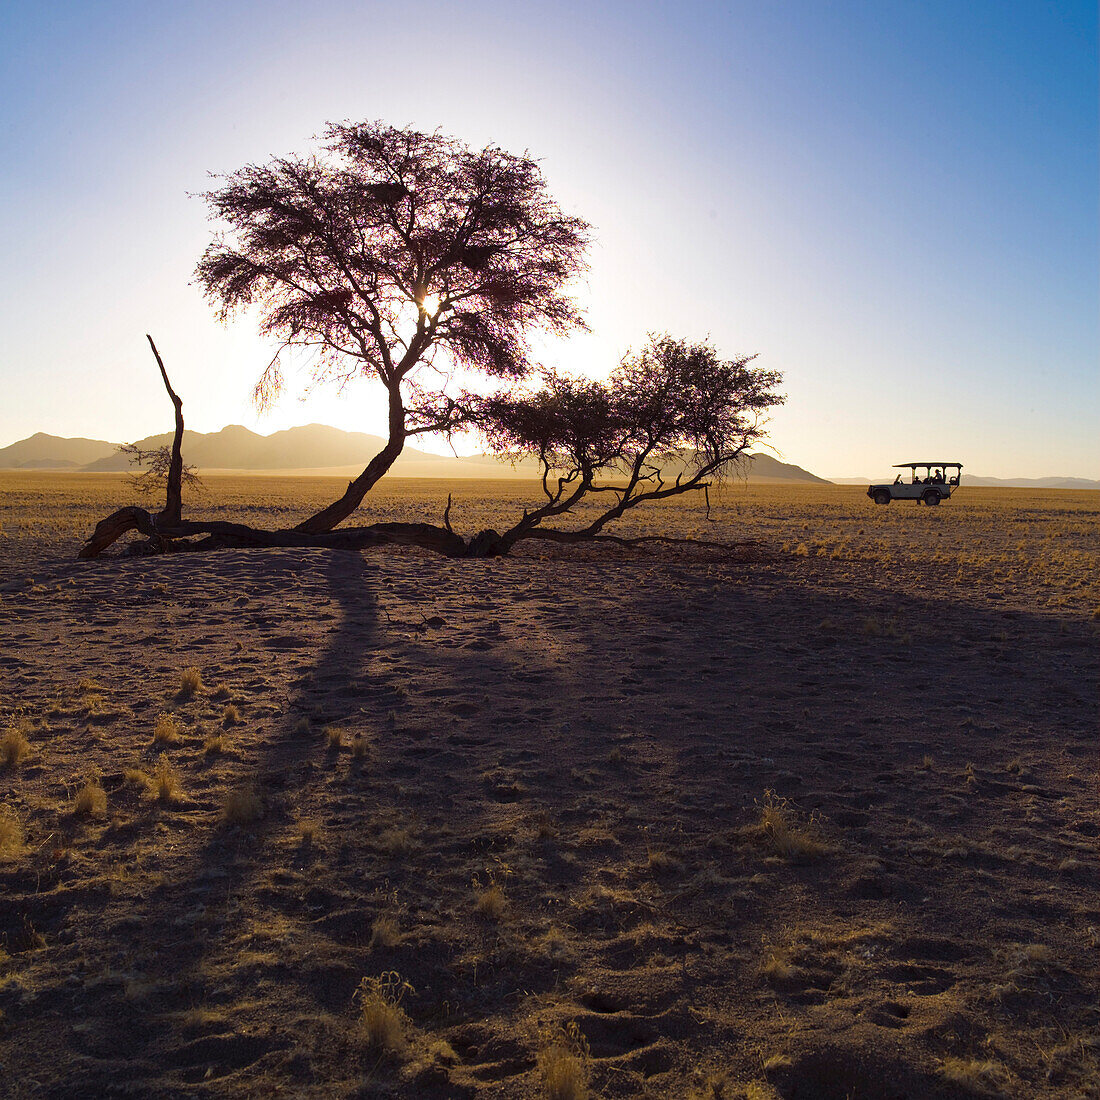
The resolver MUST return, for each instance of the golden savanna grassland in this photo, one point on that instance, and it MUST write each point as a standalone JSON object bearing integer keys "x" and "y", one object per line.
{"x": 813, "y": 818}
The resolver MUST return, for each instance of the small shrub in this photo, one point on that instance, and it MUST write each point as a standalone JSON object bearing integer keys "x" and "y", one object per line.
{"x": 90, "y": 800}
{"x": 563, "y": 1063}
{"x": 214, "y": 744}
{"x": 14, "y": 746}
{"x": 221, "y": 691}
{"x": 243, "y": 806}
{"x": 231, "y": 716}
{"x": 384, "y": 1021}
{"x": 190, "y": 682}
{"x": 334, "y": 738}
{"x": 167, "y": 730}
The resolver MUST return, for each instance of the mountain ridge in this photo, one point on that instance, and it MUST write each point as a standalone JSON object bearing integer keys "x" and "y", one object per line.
{"x": 304, "y": 449}
{"x": 323, "y": 449}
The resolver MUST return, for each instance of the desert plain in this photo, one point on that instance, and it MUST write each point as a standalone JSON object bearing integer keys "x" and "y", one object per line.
{"x": 814, "y": 817}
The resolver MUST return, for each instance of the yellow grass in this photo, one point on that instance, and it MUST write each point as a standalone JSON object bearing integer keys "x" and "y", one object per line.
{"x": 190, "y": 682}
{"x": 165, "y": 783}
{"x": 243, "y": 806}
{"x": 11, "y": 836}
{"x": 385, "y": 1024}
{"x": 14, "y": 746}
{"x": 563, "y": 1063}
{"x": 90, "y": 800}
{"x": 785, "y": 832}
{"x": 491, "y": 903}
{"x": 166, "y": 730}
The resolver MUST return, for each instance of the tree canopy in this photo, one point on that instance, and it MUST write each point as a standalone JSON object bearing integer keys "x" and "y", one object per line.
{"x": 391, "y": 245}
{"x": 666, "y": 420}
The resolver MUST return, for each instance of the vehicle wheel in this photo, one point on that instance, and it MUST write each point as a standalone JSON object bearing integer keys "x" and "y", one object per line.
{"x": 882, "y": 497}
{"x": 931, "y": 499}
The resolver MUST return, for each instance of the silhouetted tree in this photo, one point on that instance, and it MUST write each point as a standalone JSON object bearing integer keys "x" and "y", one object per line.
{"x": 398, "y": 247}
{"x": 665, "y": 422}
{"x": 393, "y": 247}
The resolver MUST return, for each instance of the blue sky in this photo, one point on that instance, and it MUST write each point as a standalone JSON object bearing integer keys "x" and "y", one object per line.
{"x": 893, "y": 203}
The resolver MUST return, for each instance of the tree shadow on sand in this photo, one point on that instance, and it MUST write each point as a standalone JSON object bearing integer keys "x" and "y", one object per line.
{"x": 598, "y": 742}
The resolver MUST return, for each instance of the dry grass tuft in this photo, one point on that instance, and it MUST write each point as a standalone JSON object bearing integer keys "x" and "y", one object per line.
{"x": 788, "y": 836}
{"x": 302, "y": 727}
{"x": 334, "y": 738}
{"x": 11, "y": 836}
{"x": 231, "y": 716}
{"x": 165, "y": 786}
{"x": 90, "y": 800}
{"x": 167, "y": 730}
{"x": 563, "y": 1063}
{"x": 14, "y": 746}
{"x": 384, "y": 1021}
{"x": 975, "y": 1075}
{"x": 384, "y": 933}
{"x": 660, "y": 862}
{"x": 397, "y": 842}
{"x": 221, "y": 691}
{"x": 243, "y": 806}
{"x": 777, "y": 967}
{"x": 491, "y": 903}
{"x": 190, "y": 682}
{"x": 214, "y": 744}
{"x": 358, "y": 748}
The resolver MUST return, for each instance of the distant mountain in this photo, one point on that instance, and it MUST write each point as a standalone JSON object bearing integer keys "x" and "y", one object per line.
{"x": 765, "y": 468}
{"x": 237, "y": 448}
{"x": 50, "y": 452}
{"x": 314, "y": 448}
{"x": 1033, "y": 482}
{"x": 994, "y": 482}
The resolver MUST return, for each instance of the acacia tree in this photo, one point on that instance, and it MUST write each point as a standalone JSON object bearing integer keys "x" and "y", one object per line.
{"x": 398, "y": 255}
{"x": 668, "y": 421}
{"x": 396, "y": 246}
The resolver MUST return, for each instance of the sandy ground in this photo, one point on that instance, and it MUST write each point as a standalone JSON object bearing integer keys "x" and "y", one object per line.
{"x": 813, "y": 820}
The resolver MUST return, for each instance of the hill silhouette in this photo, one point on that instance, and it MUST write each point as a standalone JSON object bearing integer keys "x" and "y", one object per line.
{"x": 43, "y": 452}
{"x": 312, "y": 448}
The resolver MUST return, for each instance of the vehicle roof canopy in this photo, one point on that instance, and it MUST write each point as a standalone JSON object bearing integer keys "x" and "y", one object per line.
{"x": 908, "y": 465}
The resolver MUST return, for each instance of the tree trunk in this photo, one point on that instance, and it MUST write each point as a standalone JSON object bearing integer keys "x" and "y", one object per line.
{"x": 339, "y": 510}
{"x": 173, "y": 494}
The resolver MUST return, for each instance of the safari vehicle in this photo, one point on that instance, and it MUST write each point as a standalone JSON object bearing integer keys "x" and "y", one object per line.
{"x": 936, "y": 485}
